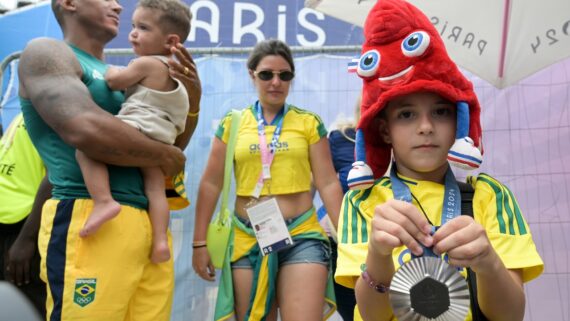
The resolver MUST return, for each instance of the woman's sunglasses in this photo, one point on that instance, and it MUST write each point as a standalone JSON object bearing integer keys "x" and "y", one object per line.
{"x": 266, "y": 75}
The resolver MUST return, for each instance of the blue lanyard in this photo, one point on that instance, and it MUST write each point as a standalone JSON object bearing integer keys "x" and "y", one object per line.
{"x": 451, "y": 201}
{"x": 261, "y": 128}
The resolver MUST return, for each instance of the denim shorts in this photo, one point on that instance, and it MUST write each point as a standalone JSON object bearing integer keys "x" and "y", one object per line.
{"x": 302, "y": 251}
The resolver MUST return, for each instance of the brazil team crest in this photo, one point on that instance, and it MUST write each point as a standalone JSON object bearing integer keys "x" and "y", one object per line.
{"x": 84, "y": 291}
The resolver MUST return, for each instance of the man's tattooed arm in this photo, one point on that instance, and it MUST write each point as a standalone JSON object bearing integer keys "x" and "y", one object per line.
{"x": 50, "y": 76}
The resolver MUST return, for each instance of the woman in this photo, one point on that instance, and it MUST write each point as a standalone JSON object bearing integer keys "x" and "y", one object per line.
{"x": 341, "y": 142}
{"x": 297, "y": 276}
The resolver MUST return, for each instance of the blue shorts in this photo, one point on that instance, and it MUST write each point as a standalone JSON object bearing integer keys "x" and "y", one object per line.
{"x": 302, "y": 251}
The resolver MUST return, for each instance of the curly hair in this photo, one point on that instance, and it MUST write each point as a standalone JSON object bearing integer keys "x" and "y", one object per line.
{"x": 175, "y": 17}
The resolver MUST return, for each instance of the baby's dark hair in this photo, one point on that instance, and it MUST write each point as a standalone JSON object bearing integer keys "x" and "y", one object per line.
{"x": 175, "y": 17}
{"x": 271, "y": 47}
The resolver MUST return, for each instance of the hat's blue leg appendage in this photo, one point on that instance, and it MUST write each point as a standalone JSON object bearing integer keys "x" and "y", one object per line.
{"x": 462, "y": 120}
{"x": 463, "y": 154}
{"x": 359, "y": 146}
{"x": 360, "y": 176}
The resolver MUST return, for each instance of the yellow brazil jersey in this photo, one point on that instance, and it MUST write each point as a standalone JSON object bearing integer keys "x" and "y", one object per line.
{"x": 21, "y": 171}
{"x": 291, "y": 169}
{"x": 494, "y": 207}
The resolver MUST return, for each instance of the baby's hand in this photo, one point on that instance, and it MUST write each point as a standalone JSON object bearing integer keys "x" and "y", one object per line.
{"x": 466, "y": 243}
{"x": 112, "y": 71}
{"x": 398, "y": 223}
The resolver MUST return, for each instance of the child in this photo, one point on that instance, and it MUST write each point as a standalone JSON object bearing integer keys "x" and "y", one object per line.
{"x": 156, "y": 104}
{"x": 418, "y": 105}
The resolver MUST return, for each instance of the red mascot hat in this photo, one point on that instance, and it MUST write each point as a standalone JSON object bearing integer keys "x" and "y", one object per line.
{"x": 402, "y": 54}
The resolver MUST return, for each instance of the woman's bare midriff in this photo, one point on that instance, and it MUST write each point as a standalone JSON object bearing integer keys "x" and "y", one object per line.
{"x": 291, "y": 205}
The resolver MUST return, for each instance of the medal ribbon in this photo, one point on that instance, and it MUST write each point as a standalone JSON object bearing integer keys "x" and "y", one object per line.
{"x": 451, "y": 201}
{"x": 267, "y": 151}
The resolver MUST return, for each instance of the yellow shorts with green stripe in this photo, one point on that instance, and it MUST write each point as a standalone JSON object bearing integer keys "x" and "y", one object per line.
{"x": 176, "y": 192}
{"x": 106, "y": 276}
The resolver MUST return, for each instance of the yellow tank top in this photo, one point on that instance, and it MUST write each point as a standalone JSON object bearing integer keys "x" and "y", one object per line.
{"x": 21, "y": 171}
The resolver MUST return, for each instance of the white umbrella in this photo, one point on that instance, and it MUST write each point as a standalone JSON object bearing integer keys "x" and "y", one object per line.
{"x": 501, "y": 41}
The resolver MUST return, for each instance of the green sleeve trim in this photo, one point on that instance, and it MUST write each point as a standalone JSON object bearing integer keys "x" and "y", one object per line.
{"x": 353, "y": 219}
{"x": 520, "y": 220}
{"x": 321, "y": 130}
{"x": 220, "y": 131}
{"x": 504, "y": 198}
{"x": 499, "y": 201}
{"x": 345, "y": 210}
{"x": 222, "y": 125}
{"x": 225, "y": 121}
{"x": 361, "y": 221}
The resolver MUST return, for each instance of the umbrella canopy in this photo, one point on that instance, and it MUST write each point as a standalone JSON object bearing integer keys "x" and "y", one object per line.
{"x": 500, "y": 41}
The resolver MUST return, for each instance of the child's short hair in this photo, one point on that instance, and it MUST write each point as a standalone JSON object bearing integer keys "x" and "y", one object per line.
{"x": 175, "y": 17}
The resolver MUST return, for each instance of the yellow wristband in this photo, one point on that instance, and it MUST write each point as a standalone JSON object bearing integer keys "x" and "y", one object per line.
{"x": 190, "y": 114}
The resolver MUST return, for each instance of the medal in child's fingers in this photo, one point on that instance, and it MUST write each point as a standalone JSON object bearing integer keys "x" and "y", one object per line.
{"x": 427, "y": 287}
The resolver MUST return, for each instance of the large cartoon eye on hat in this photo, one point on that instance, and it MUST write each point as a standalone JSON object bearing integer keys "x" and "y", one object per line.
{"x": 415, "y": 44}
{"x": 368, "y": 63}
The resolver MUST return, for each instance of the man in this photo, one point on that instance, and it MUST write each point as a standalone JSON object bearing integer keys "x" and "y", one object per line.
{"x": 22, "y": 175}
{"x": 67, "y": 105}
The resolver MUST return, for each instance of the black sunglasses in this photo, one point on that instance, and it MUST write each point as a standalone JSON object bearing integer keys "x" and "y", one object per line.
{"x": 266, "y": 75}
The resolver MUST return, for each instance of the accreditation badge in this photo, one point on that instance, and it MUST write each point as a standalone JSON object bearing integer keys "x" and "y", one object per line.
{"x": 428, "y": 288}
{"x": 269, "y": 226}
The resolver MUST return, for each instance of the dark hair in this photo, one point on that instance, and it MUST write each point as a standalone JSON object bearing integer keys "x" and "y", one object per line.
{"x": 271, "y": 47}
{"x": 175, "y": 17}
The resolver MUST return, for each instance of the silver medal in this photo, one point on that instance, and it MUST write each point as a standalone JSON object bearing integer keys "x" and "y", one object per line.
{"x": 427, "y": 288}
